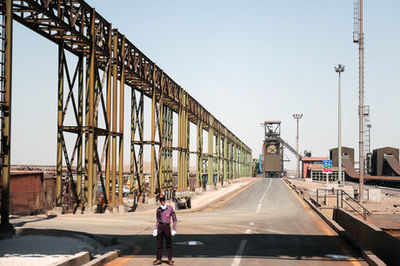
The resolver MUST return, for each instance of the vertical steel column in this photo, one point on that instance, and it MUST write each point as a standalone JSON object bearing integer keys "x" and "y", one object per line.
{"x": 218, "y": 159}
{"x": 121, "y": 124}
{"x": 228, "y": 147}
{"x": 90, "y": 120}
{"x": 133, "y": 127}
{"x": 199, "y": 163}
{"x": 182, "y": 142}
{"x": 180, "y": 152}
{"x": 165, "y": 149}
{"x": 234, "y": 159}
{"x": 161, "y": 164}
{"x": 237, "y": 159}
{"x": 114, "y": 120}
{"x": 186, "y": 140}
{"x": 86, "y": 133}
{"x": 187, "y": 152}
{"x": 243, "y": 162}
{"x": 80, "y": 122}
{"x": 153, "y": 134}
{"x": 60, "y": 105}
{"x": 210, "y": 150}
{"x": 226, "y": 155}
{"x": 240, "y": 167}
{"x": 141, "y": 137}
{"x": 108, "y": 111}
{"x": 6, "y": 131}
{"x": 170, "y": 133}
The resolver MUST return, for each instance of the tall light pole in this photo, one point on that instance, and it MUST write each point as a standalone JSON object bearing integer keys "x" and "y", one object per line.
{"x": 339, "y": 69}
{"x": 298, "y": 117}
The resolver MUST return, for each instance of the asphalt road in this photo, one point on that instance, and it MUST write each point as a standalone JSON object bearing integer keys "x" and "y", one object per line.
{"x": 265, "y": 224}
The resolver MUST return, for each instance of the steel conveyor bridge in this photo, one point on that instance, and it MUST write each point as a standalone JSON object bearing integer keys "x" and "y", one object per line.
{"x": 93, "y": 92}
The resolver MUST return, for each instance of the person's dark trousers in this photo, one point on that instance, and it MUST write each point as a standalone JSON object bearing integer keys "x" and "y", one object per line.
{"x": 164, "y": 230}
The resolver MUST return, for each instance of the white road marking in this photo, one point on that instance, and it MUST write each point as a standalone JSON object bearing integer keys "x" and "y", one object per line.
{"x": 258, "y": 208}
{"x": 248, "y": 231}
{"x": 263, "y": 196}
{"x": 239, "y": 253}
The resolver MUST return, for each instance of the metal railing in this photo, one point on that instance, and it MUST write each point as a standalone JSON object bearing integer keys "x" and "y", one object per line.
{"x": 341, "y": 198}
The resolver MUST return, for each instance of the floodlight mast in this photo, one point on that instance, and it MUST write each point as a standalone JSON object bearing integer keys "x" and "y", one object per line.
{"x": 339, "y": 69}
{"x": 297, "y": 117}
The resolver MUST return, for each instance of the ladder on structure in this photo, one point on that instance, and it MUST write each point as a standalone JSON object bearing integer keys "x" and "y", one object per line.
{"x": 367, "y": 138}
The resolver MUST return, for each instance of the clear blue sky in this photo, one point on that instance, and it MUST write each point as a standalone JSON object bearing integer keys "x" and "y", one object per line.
{"x": 245, "y": 61}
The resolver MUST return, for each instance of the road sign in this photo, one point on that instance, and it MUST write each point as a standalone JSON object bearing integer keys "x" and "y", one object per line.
{"x": 327, "y": 164}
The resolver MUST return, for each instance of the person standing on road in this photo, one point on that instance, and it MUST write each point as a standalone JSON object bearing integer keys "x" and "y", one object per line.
{"x": 164, "y": 214}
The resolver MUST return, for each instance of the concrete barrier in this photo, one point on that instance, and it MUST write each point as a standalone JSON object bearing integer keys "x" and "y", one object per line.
{"x": 78, "y": 259}
{"x": 370, "y": 237}
{"x": 374, "y": 194}
{"x": 103, "y": 259}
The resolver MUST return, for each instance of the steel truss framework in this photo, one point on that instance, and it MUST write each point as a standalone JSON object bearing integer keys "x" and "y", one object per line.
{"x": 106, "y": 63}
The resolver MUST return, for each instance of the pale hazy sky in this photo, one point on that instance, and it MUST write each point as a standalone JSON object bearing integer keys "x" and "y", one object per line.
{"x": 244, "y": 61}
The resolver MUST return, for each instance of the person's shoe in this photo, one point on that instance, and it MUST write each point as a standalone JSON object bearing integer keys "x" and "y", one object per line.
{"x": 157, "y": 262}
{"x": 170, "y": 262}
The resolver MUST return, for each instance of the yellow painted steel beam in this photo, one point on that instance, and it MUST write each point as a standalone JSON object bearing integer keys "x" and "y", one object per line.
{"x": 108, "y": 118}
{"x": 6, "y": 130}
{"x": 225, "y": 155}
{"x": 161, "y": 129}
{"x": 218, "y": 155}
{"x": 91, "y": 139}
{"x": 153, "y": 136}
{"x": 121, "y": 127}
{"x": 199, "y": 141}
{"x": 80, "y": 125}
{"x": 114, "y": 121}
{"x": 210, "y": 150}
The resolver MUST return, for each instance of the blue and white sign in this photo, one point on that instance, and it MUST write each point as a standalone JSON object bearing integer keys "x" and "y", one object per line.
{"x": 327, "y": 164}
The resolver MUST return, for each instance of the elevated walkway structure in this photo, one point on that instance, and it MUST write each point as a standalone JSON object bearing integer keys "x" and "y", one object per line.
{"x": 92, "y": 93}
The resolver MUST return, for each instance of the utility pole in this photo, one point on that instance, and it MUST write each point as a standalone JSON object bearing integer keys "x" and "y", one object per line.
{"x": 339, "y": 69}
{"x": 297, "y": 117}
{"x": 358, "y": 37}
